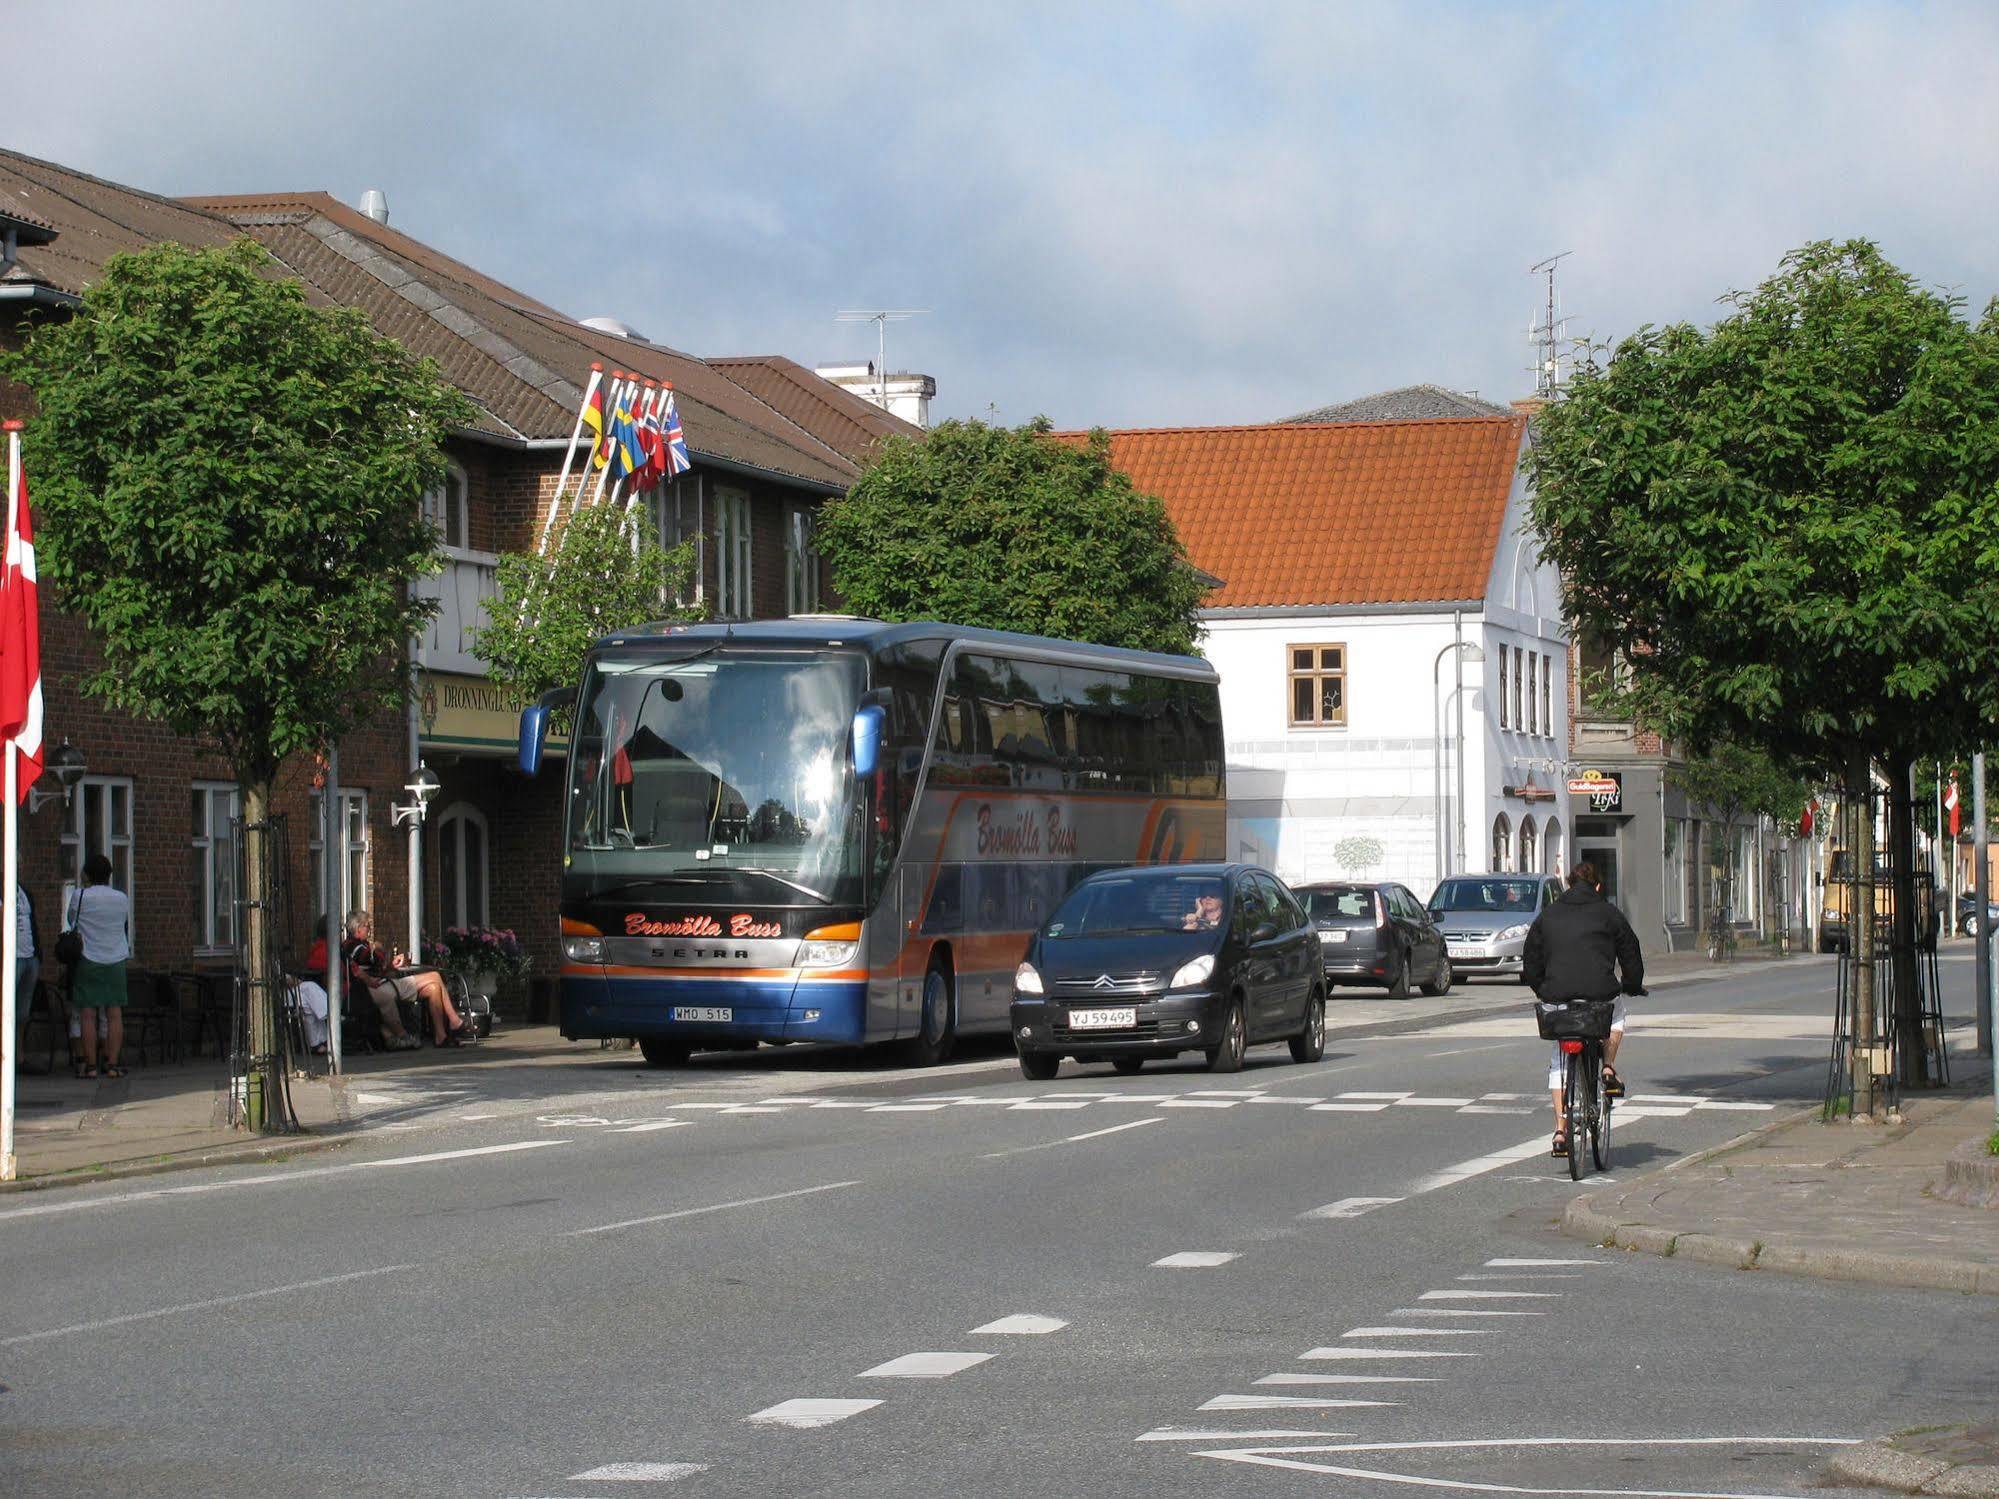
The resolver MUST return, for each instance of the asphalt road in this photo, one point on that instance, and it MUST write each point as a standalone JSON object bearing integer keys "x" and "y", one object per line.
{"x": 1337, "y": 1279}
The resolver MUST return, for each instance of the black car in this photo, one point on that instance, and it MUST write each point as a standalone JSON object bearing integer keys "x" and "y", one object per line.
{"x": 1967, "y": 914}
{"x": 1139, "y": 963}
{"x": 1377, "y": 934}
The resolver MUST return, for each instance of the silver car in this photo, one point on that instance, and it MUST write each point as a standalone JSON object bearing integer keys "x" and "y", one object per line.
{"x": 1484, "y": 919}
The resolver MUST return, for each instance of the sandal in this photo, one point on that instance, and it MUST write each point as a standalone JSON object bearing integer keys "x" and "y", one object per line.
{"x": 110, "y": 1071}
{"x": 1613, "y": 1085}
{"x": 86, "y": 1072}
{"x": 1561, "y": 1144}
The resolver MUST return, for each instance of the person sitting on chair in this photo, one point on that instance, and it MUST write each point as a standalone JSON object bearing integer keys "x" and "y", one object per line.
{"x": 386, "y": 979}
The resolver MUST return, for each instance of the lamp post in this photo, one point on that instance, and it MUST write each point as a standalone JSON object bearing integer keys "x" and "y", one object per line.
{"x": 422, "y": 785}
{"x": 1467, "y": 651}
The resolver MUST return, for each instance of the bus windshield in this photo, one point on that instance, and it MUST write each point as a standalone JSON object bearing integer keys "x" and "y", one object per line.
{"x": 726, "y": 768}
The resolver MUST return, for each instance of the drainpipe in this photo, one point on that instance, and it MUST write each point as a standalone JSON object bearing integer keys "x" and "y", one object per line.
{"x": 1458, "y": 692}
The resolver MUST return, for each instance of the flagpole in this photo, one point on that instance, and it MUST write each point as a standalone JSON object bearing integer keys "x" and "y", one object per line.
{"x": 569, "y": 455}
{"x": 10, "y": 870}
{"x": 615, "y": 393}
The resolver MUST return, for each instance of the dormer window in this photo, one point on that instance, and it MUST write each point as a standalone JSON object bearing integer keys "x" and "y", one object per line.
{"x": 448, "y": 508}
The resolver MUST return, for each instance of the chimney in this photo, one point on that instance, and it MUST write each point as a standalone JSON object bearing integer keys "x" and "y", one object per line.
{"x": 375, "y": 205}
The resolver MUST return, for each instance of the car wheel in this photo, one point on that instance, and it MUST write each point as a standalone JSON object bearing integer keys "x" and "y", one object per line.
{"x": 1227, "y": 1056}
{"x": 1970, "y": 927}
{"x": 1398, "y": 981}
{"x": 665, "y": 1053}
{"x": 1127, "y": 1065}
{"x": 1310, "y": 1043}
{"x": 1441, "y": 984}
{"x": 933, "y": 1043}
{"x": 1039, "y": 1066}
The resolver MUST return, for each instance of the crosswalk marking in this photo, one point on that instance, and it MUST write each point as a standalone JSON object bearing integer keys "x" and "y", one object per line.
{"x": 805, "y": 1414}
{"x": 1383, "y": 1353}
{"x": 1286, "y": 1402}
{"x": 639, "y": 1473}
{"x": 1050, "y": 1103}
{"x": 1489, "y": 1296}
{"x": 1199, "y": 1103}
{"x": 908, "y": 1108}
{"x": 925, "y": 1366}
{"x": 1022, "y": 1323}
{"x": 1349, "y": 1108}
{"x": 1386, "y": 1097}
{"x": 1305, "y": 1379}
{"x": 1432, "y": 1103}
{"x": 648, "y": 1126}
{"x": 1415, "y": 1332}
{"x": 1185, "y": 1434}
{"x": 1456, "y": 1311}
{"x": 1518, "y": 1264}
{"x": 1195, "y": 1259}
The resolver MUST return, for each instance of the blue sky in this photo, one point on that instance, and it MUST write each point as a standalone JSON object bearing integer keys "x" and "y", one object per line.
{"x": 1135, "y": 215}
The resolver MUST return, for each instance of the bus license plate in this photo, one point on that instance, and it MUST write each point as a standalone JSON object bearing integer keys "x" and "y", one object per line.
{"x": 1102, "y": 1020}
{"x": 704, "y": 1012}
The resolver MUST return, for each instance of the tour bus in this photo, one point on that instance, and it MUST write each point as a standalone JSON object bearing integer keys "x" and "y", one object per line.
{"x": 831, "y": 829}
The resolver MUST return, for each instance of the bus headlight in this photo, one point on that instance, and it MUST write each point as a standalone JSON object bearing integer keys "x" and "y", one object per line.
{"x": 827, "y": 954}
{"x": 1194, "y": 973}
{"x": 583, "y": 949}
{"x": 1026, "y": 979}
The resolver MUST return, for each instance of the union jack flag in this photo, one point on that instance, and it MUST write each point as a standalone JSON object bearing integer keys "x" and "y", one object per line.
{"x": 677, "y": 459}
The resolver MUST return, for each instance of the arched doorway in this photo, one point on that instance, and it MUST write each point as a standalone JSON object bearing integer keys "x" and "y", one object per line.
{"x": 1502, "y": 844}
{"x": 1551, "y": 847}
{"x": 1530, "y": 849}
{"x": 461, "y": 866}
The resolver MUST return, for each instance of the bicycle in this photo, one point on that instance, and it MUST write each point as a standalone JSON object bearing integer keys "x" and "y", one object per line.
{"x": 1579, "y": 1028}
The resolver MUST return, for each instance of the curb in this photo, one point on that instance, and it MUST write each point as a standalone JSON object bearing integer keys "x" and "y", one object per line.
{"x": 1581, "y": 1219}
{"x": 282, "y": 1147}
{"x": 1881, "y": 1465}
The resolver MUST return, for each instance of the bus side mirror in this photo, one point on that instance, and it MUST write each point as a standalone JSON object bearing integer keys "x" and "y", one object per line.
{"x": 534, "y": 725}
{"x": 868, "y": 722}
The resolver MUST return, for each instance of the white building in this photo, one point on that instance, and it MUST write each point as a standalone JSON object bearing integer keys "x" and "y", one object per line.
{"x": 1368, "y": 569}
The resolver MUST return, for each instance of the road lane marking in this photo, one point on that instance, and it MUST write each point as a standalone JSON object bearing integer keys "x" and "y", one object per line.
{"x": 1416, "y": 1332}
{"x": 1225, "y": 1093}
{"x": 1299, "y": 1379}
{"x": 1115, "y": 1129}
{"x": 1383, "y": 1097}
{"x": 1490, "y": 1296}
{"x": 1200, "y": 1103}
{"x": 1023, "y": 1323}
{"x": 806, "y": 1414}
{"x": 834, "y": 1103}
{"x": 1350, "y": 1207}
{"x": 1383, "y": 1353}
{"x": 1049, "y": 1103}
{"x": 647, "y": 1126}
{"x": 908, "y": 1108}
{"x": 1496, "y": 1108}
{"x": 1285, "y": 1098}
{"x": 1349, "y": 1108}
{"x": 1455, "y": 1311}
{"x": 270, "y": 1178}
{"x": 1195, "y": 1259}
{"x": 198, "y": 1306}
{"x": 1180, "y": 1434}
{"x": 1414, "y": 1102}
{"x": 1288, "y": 1402}
{"x": 925, "y": 1366}
{"x": 1479, "y": 1165}
{"x": 1532, "y": 1264}
{"x": 713, "y": 1207}
{"x": 639, "y": 1473}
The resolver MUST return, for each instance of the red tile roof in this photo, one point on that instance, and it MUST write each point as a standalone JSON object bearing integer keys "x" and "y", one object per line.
{"x": 1337, "y": 513}
{"x": 832, "y": 413}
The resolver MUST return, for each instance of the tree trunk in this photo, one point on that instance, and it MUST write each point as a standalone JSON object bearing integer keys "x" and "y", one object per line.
{"x": 1860, "y": 934}
{"x": 1905, "y": 1011}
{"x": 259, "y": 1083}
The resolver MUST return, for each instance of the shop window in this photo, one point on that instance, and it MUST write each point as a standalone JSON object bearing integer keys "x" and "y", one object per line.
{"x": 353, "y": 833}
{"x": 1318, "y": 684}
{"x": 216, "y": 809}
{"x": 462, "y": 870}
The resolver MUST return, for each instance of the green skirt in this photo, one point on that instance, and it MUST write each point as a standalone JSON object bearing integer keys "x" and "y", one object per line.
{"x": 98, "y": 986}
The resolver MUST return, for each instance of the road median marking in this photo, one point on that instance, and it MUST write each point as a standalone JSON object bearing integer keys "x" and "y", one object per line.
{"x": 200, "y": 1306}
{"x": 713, "y": 1207}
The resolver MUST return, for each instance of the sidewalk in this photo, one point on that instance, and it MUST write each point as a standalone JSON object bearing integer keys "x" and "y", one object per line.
{"x": 1909, "y": 1204}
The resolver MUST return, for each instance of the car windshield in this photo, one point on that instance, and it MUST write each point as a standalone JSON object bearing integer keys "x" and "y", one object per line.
{"x": 1339, "y": 902}
{"x": 1139, "y": 903}
{"x": 724, "y": 764}
{"x": 1486, "y": 895}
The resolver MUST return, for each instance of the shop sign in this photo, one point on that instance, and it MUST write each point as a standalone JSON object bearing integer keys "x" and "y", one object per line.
{"x": 1604, "y": 788}
{"x": 457, "y": 711}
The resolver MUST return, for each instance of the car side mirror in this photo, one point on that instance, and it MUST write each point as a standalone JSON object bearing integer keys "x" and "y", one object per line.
{"x": 1264, "y": 931}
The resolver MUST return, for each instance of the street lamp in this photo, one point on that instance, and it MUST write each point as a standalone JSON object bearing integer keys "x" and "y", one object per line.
{"x": 68, "y": 764}
{"x": 1467, "y": 651}
{"x": 422, "y": 785}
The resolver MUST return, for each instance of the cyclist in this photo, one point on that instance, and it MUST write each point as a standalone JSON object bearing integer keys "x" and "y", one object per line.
{"x": 1581, "y": 947}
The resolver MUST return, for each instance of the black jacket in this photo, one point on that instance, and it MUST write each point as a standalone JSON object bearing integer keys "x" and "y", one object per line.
{"x": 1579, "y": 946}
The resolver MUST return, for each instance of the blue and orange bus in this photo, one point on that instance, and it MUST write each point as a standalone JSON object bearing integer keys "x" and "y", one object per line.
{"x": 838, "y": 830}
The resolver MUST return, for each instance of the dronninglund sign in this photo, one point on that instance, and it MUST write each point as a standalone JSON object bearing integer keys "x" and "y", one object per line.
{"x": 1604, "y": 788}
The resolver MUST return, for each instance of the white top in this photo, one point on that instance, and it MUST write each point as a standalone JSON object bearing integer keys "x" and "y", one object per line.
{"x": 24, "y": 923}
{"x": 103, "y": 918}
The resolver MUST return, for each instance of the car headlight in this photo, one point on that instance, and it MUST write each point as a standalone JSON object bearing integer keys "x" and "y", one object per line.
{"x": 1026, "y": 979}
{"x": 1512, "y": 933}
{"x": 1196, "y": 972}
{"x": 827, "y": 954}
{"x": 583, "y": 949}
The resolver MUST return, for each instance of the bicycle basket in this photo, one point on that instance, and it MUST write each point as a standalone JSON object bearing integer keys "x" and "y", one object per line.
{"x": 1577, "y": 1020}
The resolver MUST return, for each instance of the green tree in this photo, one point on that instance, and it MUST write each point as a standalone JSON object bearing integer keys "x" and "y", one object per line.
{"x": 227, "y": 483}
{"x": 1735, "y": 781}
{"x": 1002, "y": 528}
{"x": 1788, "y": 524}
{"x": 607, "y": 572}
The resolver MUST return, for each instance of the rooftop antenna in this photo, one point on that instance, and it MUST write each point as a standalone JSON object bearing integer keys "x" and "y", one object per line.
{"x": 1548, "y": 331}
{"x": 881, "y": 318}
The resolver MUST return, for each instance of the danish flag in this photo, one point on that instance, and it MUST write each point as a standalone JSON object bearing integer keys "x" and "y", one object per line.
{"x": 20, "y": 628}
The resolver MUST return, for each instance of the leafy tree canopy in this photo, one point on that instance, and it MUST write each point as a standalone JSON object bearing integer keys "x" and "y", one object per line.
{"x": 607, "y": 572}
{"x": 1004, "y": 529}
{"x": 227, "y": 484}
{"x": 1789, "y": 523}
{"x": 1739, "y": 780}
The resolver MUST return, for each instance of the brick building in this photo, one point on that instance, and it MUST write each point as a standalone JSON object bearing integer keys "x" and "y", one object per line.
{"x": 770, "y": 442}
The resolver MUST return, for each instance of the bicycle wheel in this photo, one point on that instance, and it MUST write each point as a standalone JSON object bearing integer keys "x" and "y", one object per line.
{"x": 1599, "y": 1128}
{"x": 1575, "y": 1098}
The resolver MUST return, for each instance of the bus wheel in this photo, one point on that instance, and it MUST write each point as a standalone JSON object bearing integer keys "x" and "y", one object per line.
{"x": 665, "y": 1053}
{"x": 932, "y": 1044}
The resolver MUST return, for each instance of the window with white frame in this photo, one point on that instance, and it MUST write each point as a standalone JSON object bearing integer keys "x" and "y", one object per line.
{"x": 216, "y": 808}
{"x": 448, "y": 507}
{"x": 1519, "y": 671}
{"x": 1533, "y": 696}
{"x": 1502, "y": 844}
{"x": 462, "y": 882}
{"x": 99, "y": 822}
{"x": 354, "y": 843}
{"x": 801, "y": 564}
{"x": 1318, "y": 685}
{"x": 673, "y": 511}
{"x": 1504, "y": 721}
{"x": 1547, "y": 694}
{"x": 732, "y": 554}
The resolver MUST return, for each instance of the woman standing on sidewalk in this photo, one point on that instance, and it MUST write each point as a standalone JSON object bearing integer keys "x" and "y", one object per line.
{"x": 101, "y": 915}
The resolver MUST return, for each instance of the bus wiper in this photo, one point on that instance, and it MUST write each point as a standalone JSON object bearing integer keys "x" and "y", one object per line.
{"x": 690, "y": 878}
{"x": 771, "y": 874}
